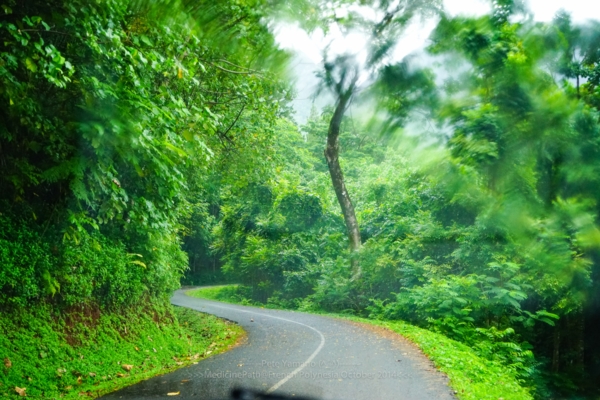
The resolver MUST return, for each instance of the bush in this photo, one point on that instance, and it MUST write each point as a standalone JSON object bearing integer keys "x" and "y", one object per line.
{"x": 97, "y": 268}
{"x": 93, "y": 269}
{"x": 25, "y": 264}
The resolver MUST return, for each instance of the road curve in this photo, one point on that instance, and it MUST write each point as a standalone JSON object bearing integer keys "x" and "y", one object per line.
{"x": 301, "y": 355}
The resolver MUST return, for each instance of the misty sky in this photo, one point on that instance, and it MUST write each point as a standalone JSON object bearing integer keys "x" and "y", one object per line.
{"x": 309, "y": 49}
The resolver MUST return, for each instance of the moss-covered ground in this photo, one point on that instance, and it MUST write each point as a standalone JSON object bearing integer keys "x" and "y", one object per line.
{"x": 90, "y": 352}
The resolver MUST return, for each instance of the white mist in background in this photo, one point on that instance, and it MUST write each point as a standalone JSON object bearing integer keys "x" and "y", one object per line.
{"x": 308, "y": 49}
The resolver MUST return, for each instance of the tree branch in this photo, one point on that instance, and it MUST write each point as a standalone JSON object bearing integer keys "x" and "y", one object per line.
{"x": 224, "y": 134}
{"x": 44, "y": 30}
{"x": 233, "y": 72}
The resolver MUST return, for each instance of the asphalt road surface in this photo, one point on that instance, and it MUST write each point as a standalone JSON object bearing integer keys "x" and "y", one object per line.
{"x": 300, "y": 355}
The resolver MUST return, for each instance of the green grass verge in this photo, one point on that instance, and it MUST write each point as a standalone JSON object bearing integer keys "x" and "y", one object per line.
{"x": 224, "y": 293}
{"x": 471, "y": 377}
{"x": 90, "y": 353}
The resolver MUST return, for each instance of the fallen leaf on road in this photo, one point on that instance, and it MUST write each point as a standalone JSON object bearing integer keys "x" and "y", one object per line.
{"x": 173, "y": 394}
{"x": 185, "y": 380}
{"x": 20, "y": 391}
{"x": 127, "y": 367}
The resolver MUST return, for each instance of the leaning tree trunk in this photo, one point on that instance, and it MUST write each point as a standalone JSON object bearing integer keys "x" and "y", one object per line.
{"x": 337, "y": 178}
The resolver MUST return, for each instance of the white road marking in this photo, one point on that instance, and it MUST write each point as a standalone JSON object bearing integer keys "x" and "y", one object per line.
{"x": 304, "y": 364}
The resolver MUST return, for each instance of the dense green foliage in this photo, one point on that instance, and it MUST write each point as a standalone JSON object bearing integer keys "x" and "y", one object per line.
{"x": 88, "y": 352}
{"x": 114, "y": 113}
{"x": 135, "y": 143}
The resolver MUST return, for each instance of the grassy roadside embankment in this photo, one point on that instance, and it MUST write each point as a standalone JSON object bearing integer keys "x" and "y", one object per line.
{"x": 471, "y": 377}
{"x": 91, "y": 353}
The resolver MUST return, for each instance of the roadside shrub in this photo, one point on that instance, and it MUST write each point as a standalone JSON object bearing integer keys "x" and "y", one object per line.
{"x": 25, "y": 264}
{"x": 100, "y": 269}
{"x": 91, "y": 268}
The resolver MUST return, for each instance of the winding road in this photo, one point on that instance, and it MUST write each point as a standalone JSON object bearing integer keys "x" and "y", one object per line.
{"x": 300, "y": 355}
